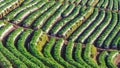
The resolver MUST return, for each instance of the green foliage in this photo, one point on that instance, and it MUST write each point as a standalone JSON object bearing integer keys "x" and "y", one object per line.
{"x": 102, "y": 59}
{"x": 78, "y": 55}
{"x": 57, "y": 54}
{"x": 87, "y": 57}
{"x": 93, "y": 51}
{"x": 68, "y": 55}
{"x": 110, "y": 59}
{"x": 21, "y": 47}
{"x": 10, "y": 56}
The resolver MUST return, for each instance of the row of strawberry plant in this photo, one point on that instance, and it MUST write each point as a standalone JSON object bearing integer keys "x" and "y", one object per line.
{"x": 26, "y": 2}
{"x": 112, "y": 34}
{"x": 68, "y": 55}
{"x": 4, "y": 62}
{"x": 106, "y": 59}
{"x": 16, "y": 62}
{"x": 100, "y": 28}
{"x": 92, "y": 2}
{"x": 5, "y": 29}
{"x": 78, "y": 55}
{"x": 8, "y": 7}
{"x": 116, "y": 4}
{"x": 19, "y": 17}
{"x": 87, "y": 12}
{"x": 32, "y": 17}
{"x": 13, "y": 13}
{"x": 57, "y": 54}
{"x": 87, "y": 56}
{"x": 108, "y": 4}
{"x": 83, "y": 2}
{"x": 75, "y": 23}
{"x": 30, "y": 1}
{"x": 38, "y": 55}
{"x": 2, "y": 23}
{"x": 109, "y": 28}
{"x": 105, "y": 4}
{"x": 99, "y": 3}
{"x": 84, "y": 25}
{"x": 34, "y": 49}
{"x": 10, "y": 46}
{"x": 3, "y": 2}
{"x": 109, "y": 39}
{"x": 48, "y": 49}
{"x": 62, "y": 22}
{"x": 51, "y": 21}
{"x": 21, "y": 47}
{"x": 42, "y": 19}
{"x": 102, "y": 59}
{"x": 116, "y": 40}
{"x": 110, "y": 59}
{"x": 91, "y": 28}
{"x": 68, "y": 10}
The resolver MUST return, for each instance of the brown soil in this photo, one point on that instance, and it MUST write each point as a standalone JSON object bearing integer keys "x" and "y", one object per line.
{"x": 117, "y": 61}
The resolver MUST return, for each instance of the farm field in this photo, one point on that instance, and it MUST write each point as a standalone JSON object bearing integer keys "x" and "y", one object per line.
{"x": 59, "y": 33}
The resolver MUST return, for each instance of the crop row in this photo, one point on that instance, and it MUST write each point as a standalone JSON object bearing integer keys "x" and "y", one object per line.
{"x": 56, "y": 31}
{"x": 8, "y": 5}
{"x": 102, "y": 4}
{"x": 68, "y": 20}
{"x": 23, "y": 44}
{"x": 99, "y": 29}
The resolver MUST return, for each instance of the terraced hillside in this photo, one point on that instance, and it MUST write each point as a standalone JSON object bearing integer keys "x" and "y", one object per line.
{"x": 59, "y": 33}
